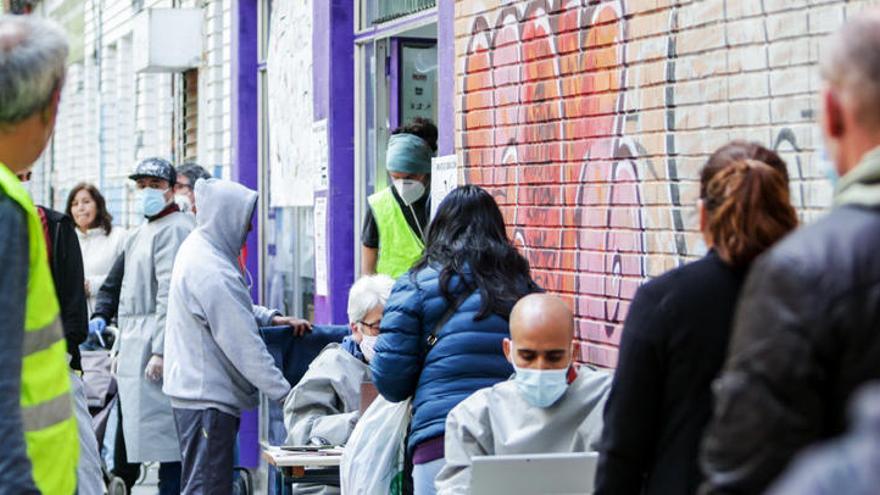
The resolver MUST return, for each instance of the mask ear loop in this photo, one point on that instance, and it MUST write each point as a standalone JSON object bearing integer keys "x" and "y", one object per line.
{"x": 249, "y": 279}
{"x": 418, "y": 224}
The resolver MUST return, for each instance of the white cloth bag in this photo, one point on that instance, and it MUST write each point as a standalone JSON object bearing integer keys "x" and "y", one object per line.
{"x": 373, "y": 460}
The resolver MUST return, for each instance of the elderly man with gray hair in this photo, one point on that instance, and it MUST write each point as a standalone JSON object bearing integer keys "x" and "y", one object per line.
{"x": 806, "y": 333}
{"x": 38, "y": 432}
{"x": 184, "y": 188}
{"x": 324, "y": 407}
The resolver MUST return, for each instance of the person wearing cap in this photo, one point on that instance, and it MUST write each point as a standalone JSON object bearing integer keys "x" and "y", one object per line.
{"x": 136, "y": 293}
{"x": 393, "y": 236}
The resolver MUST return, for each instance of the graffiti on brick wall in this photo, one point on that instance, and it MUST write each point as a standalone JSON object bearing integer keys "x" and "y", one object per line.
{"x": 542, "y": 109}
{"x": 573, "y": 118}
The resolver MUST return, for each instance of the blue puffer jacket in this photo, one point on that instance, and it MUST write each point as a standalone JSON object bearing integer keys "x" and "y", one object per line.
{"x": 466, "y": 358}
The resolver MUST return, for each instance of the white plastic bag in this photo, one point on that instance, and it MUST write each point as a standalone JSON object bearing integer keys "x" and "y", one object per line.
{"x": 373, "y": 460}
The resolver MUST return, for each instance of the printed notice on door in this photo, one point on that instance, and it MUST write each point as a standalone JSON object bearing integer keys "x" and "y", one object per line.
{"x": 444, "y": 178}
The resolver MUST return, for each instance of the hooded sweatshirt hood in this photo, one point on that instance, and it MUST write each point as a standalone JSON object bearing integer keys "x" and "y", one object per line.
{"x": 223, "y": 213}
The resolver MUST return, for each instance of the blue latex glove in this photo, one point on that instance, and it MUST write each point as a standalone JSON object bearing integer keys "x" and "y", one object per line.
{"x": 97, "y": 326}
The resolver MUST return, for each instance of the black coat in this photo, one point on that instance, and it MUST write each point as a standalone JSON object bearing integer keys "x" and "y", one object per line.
{"x": 67, "y": 273}
{"x": 807, "y": 334}
{"x": 672, "y": 347}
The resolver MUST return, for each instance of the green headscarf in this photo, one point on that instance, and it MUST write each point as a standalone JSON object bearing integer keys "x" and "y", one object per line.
{"x": 408, "y": 154}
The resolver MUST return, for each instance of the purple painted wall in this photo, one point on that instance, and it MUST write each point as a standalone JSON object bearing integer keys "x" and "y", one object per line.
{"x": 333, "y": 83}
{"x": 446, "y": 77}
{"x": 245, "y": 147}
{"x": 393, "y": 75}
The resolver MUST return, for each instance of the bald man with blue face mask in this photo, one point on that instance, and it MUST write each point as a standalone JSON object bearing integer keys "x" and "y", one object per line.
{"x": 550, "y": 405}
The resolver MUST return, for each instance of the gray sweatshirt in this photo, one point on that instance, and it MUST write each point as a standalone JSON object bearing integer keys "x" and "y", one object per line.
{"x": 15, "y": 466}
{"x": 214, "y": 356}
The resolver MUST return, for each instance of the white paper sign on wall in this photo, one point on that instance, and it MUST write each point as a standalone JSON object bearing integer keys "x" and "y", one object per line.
{"x": 321, "y": 284}
{"x": 444, "y": 178}
{"x": 292, "y": 157}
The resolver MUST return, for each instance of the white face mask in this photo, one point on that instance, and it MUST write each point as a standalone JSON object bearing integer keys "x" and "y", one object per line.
{"x": 410, "y": 190}
{"x": 183, "y": 203}
{"x": 368, "y": 346}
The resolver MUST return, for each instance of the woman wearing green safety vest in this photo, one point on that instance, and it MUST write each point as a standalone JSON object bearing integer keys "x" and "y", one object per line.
{"x": 39, "y": 446}
{"x": 397, "y": 219}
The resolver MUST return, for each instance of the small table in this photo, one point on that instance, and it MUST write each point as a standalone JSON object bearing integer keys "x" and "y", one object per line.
{"x": 306, "y": 467}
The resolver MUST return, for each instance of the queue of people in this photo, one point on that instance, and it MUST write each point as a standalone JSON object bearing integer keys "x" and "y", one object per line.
{"x": 731, "y": 367}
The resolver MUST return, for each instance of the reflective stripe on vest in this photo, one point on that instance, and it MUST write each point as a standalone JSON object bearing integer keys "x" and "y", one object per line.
{"x": 399, "y": 246}
{"x": 46, "y": 404}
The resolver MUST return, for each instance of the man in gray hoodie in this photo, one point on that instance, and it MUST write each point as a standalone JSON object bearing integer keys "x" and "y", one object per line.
{"x": 215, "y": 361}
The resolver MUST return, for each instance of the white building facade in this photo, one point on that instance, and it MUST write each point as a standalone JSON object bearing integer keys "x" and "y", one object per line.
{"x": 112, "y": 116}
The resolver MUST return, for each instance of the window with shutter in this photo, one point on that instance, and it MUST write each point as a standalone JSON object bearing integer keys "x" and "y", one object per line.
{"x": 190, "y": 115}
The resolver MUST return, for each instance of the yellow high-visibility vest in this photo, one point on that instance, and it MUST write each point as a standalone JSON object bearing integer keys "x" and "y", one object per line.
{"x": 399, "y": 246}
{"x": 46, "y": 401}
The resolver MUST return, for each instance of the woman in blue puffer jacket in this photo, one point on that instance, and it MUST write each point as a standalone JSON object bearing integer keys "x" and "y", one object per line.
{"x": 470, "y": 267}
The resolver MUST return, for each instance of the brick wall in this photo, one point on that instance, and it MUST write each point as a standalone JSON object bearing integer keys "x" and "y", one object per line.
{"x": 589, "y": 121}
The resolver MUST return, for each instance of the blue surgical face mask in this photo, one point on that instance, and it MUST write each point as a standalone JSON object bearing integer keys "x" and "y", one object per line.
{"x": 827, "y": 166}
{"x": 152, "y": 201}
{"x": 541, "y": 388}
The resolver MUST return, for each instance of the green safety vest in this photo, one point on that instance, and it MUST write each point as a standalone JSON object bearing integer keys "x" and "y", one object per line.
{"x": 46, "y": 402}
{"x": 399, "y": 246}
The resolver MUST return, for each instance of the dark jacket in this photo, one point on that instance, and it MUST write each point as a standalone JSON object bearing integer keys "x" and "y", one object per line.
{"x": 845, "y": 465}
{"x": 807, "y": 334}
{"x": 672, "y": 347}
{"x": 466, "y": 358}
{"x": 65, "y": 259}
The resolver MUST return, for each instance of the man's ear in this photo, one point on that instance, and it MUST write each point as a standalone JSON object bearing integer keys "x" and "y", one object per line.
{"x": 574, "y": 349}
{"x": 832, "y": 114}
{"x": 51, "y": 110}
{"x": 506, "y": 345}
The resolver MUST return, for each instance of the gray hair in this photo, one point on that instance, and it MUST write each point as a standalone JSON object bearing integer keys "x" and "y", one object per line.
{"x": 193, "y": 172}
{"x": 852, "y": 64}
{"x": 369, "y": 292}
{"x": 33, "y": 56}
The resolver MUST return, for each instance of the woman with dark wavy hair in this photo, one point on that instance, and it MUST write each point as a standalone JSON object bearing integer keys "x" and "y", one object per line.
{"x": 444, "y": 323}
{"x": 99, "y": 241}
{"x": 675, "y": 337}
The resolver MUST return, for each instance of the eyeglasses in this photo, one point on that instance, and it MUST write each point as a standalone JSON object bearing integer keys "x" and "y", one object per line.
{"x": 371, "y": 326}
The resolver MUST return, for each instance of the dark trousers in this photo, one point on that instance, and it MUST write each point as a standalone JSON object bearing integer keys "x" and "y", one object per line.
{"x": 169, "y": 472}
{"x": 169, "y": 478}
{"x": 207, "y": 445}
{"x": 128, "y": 471}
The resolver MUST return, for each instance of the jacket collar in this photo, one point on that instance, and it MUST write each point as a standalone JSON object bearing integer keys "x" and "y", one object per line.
{"x": 171, "y": 208}
{"x": 93, "y": 232}
{"x": 861, "y": 186}
{"x": 353, "y": 348}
